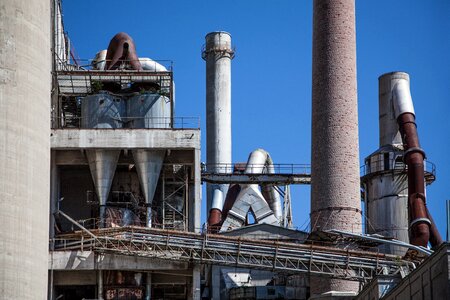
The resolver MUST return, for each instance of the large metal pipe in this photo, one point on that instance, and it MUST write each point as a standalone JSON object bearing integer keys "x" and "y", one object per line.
{"x": 122, "y": 51}
{"x": 260, "y": 162}
{"x": 414, "y": 156}
{"x": 335, "y": 189}
{"x": 218, "y": 54}
{"x": 25, "y": 83}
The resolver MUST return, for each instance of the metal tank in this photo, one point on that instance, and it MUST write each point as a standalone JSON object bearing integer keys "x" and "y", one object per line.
{"x": 25, "y": 88}
{"x": 384, "y": 178}
{"x": 148, "y": 110}
{"x": 102, "y": 111}
{"x": 218, "y": 54}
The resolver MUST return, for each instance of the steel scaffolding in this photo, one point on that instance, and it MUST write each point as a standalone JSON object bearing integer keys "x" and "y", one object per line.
{"x": 237, "y": 252}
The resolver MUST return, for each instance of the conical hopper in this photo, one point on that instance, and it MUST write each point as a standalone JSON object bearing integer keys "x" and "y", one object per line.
{"x": 102, "y": 164}
{"x": 148, "y": 167}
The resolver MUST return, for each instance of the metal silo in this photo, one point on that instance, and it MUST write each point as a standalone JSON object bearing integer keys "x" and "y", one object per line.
{"x": 102, "y": 111}
{"x": 148, "y": 110}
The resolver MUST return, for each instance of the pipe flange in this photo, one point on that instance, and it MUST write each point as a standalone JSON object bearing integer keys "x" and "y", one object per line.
{"x": 425, "y": 220}
{"x": 414, "y": 150}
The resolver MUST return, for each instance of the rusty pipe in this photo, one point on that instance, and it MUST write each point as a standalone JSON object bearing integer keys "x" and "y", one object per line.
{"x": 121, "y": 49}
{"x": 435, "y": 236}
{"x": 414, "y": 157}
{"x": 215, "y": 213}
{"x": 422, "y": 226}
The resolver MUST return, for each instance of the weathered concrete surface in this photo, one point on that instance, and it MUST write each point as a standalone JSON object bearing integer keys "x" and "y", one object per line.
{"x": 125, "y": 138}
{"x": 335, "y": 194}
{"x": 25, "y": 82}
{"x": 430, "y": 281}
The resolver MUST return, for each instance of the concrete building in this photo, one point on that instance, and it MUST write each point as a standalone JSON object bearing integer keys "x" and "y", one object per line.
{"x": 119, "y": 158}
{"x": 105, "y": 202}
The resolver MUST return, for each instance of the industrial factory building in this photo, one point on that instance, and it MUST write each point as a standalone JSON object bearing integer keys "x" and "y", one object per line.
{"x": 102, "y": 197}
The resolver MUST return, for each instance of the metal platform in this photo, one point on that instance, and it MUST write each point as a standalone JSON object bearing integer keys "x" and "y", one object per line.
{"x": 284, "y": 174}
{"x": 236, "y": 251}
{"x": 83, "y": 82}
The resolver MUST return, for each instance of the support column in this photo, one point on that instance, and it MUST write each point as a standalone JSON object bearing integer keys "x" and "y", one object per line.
{"x": 196, "y": 291}
{"x": 100, "y": 285}
{"x": 148, "y": 286}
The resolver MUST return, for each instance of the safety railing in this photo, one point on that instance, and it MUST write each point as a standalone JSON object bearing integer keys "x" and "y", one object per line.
{"x": 92, "y": 64}
{"x": 77, "y": 122}
{"x": 240, "y": 168}
{"x": 375, "y": 166}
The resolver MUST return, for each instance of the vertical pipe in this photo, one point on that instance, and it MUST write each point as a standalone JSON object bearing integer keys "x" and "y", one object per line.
{"x": 148, "y": 286}
{"x": 100, "y": 285}
{"x": 25, "y": 96}
{"x": 335, "y": 190}
{"x": 448, "y": 220}
{"x": 218, "y": 54}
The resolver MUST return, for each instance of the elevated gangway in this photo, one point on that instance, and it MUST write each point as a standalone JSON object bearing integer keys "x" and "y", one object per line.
{"x": 284, "y": 174}
{"x": 235, "y": 251}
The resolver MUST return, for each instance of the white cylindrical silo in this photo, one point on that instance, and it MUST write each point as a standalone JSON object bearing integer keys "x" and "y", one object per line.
{"x": 25, "y": 83}
{"x": 218, "y": 54}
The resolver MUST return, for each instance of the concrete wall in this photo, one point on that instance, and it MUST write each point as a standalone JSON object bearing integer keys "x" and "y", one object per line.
{"x": 25, "y": 82}
{"x": 430, "y": 281}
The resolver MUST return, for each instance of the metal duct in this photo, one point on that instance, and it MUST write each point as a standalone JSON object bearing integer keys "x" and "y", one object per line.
{"x": 250, "y": 197}
{"x": 148, "y": 167}
{"x": 414, "y": 157}
{"x": 260, "y": 162}
{"x": 122, "y": 53}
{"x": 102, "y": 164}
{"x": 215, "y": 214}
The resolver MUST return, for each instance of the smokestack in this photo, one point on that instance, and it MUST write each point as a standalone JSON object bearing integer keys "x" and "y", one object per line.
{"x": 335, "y": 190}
{"x": 218, "y": 54}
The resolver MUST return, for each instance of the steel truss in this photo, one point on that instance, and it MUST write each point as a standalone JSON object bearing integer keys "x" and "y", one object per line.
{"x": 237, "y": 252}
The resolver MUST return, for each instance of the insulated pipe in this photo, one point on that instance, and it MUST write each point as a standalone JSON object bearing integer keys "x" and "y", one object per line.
{"x": 121, "y": 49}
{"x": 414, "y": 156}
{"x": 270, "y": 194}
{"x": 260, "y": 162}
{"x": 215, "y": 214}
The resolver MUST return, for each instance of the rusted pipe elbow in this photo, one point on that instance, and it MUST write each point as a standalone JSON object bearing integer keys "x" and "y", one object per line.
{"x": 121, "y": 49}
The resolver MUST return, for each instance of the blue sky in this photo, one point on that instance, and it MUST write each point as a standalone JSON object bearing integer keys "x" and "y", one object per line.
{"x": 271, "y": 73}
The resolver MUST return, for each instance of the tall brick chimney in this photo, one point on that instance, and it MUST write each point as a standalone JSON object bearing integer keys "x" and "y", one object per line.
{"x": 335, "y": 190}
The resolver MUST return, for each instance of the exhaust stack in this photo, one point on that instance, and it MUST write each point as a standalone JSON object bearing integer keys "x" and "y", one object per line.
{"x": 335, "y": 189}
{"x": 218, "y": 54}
